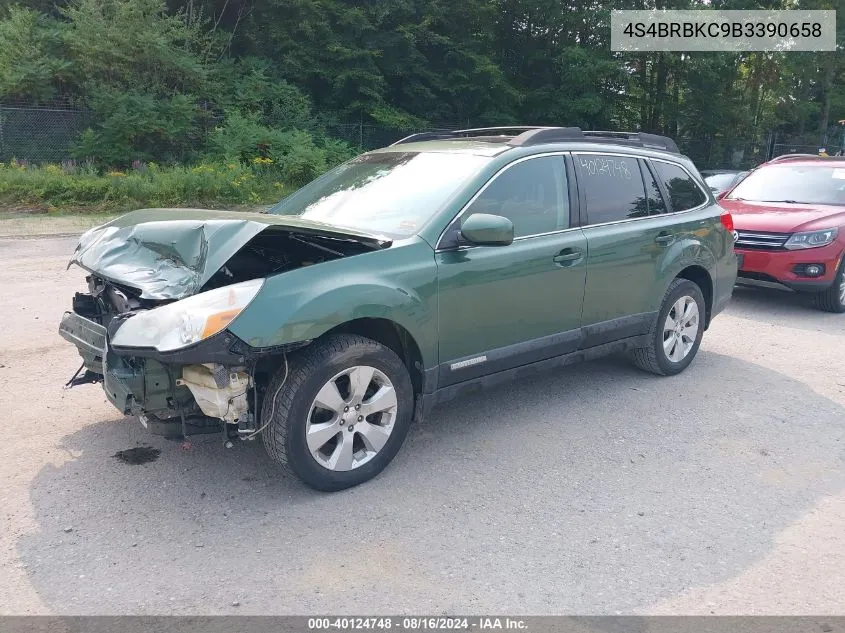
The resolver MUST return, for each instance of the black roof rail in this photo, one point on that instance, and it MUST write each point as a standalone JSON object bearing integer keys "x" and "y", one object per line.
{"x": 537, "y": 136}
{"x": 642, "y": 139}
{"x": 557, "y": 134}
{"x": 528, "y": 135}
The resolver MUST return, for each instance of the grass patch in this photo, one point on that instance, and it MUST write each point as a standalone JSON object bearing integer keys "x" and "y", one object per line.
{"x": 57, "y": 189}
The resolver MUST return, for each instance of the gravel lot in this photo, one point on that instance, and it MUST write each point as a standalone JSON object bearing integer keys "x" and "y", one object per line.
{"x": 595, "y": 489}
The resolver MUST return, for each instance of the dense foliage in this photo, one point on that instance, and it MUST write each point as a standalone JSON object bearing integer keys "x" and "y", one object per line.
{"x": 187, "y": 80}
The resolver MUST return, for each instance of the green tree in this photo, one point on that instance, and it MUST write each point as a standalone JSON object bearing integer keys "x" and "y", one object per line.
{"x": 33, "y": 64}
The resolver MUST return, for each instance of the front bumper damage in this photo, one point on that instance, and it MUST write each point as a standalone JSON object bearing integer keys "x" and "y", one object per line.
{"x": 148, "y": 258}
{"x": 202, "y": 387}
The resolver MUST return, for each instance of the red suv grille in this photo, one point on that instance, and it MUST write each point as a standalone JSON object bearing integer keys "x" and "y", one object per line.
{"x": 761, "y": 241}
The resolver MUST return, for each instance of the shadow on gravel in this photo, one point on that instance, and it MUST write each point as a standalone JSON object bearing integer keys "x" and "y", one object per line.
{"x": 790, "y": 308}
{"x": 593, "y": 489}
{"x": 764, "y": 297}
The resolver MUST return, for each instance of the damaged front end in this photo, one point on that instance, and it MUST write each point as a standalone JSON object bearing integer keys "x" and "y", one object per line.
{"x": 209, "y": 384}
{"x": 161, "y": 294}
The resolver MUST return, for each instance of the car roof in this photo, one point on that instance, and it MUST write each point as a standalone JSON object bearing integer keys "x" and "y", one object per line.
{"x": 500, "y": 148}
{"x": 803, "y": 161}
{"x": 498, "y": 140}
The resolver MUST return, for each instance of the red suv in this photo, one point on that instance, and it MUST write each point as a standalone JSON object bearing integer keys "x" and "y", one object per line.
{"x": 789, "y": 217}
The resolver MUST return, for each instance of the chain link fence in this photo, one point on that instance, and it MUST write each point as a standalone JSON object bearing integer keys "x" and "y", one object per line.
{"x": 48, "y": 135}
{"x": 39, "y": 134}
{"x": 721, "y": 153}
{"x": 367, "y": 137}
{"x": 42, "y": 135}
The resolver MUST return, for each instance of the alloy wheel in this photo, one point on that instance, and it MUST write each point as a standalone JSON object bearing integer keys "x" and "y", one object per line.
{"x": 680, "y": 329}
{"x": 351, "y": 418}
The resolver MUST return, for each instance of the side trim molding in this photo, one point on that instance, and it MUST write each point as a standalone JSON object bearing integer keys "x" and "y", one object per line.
{"x": 516, "y": 373}
{"x": 502, "y": 358}
{"x": 615, "y": 329}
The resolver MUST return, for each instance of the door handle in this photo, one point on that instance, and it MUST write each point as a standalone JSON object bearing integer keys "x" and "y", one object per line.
{"x": 567, "y": 256}
{"x": 664, "y": 239}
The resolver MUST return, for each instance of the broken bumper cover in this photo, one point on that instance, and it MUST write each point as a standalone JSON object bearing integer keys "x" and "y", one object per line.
{"x": 145, "y": 381}
{"x": 89, "y": 338}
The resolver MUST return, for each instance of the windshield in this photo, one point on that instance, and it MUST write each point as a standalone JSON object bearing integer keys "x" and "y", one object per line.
{"x": 392, "y": 193}
{"x": 803, "y": 184}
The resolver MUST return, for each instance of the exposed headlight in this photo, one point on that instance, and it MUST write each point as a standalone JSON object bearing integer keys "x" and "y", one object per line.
{"x": 811, "y": 239}
{"x": 188, "y": 321}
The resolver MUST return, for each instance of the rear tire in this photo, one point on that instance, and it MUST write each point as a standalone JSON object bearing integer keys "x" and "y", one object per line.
{"x": 673, "y": 342}
{"x": 311, "y": 411}
{"x": 833, "y": 299}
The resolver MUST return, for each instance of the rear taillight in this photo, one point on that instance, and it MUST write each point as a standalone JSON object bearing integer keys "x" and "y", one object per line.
{"x": 727, "y": 221}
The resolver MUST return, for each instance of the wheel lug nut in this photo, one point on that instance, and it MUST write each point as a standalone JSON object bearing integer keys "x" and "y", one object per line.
{"x": 345, "y": 409}
{"x": 342, "y": 423}
{"x": 357, "y": 406}
{"x": 360, "y": 417}
{"x": 351, "y": 427}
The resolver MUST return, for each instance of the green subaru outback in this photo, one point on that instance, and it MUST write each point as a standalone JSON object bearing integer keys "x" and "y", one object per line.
{"x": 396, "y": 281}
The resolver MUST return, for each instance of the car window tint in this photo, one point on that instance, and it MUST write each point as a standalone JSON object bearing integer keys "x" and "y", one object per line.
{"x": 612, "y": 186}
{"x": 532, "y": 194}
{"x": 656, "y": 204}
{"x": 683, "y": 192}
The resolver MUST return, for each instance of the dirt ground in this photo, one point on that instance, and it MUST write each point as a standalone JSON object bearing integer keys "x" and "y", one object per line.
{"x": 595, "y": 489}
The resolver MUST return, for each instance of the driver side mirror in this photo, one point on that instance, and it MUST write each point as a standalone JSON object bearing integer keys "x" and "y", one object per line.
{"x": 483, "y": 229}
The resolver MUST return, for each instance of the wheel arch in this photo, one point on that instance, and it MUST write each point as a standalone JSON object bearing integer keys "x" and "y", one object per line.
{"x": 393, "y": 336}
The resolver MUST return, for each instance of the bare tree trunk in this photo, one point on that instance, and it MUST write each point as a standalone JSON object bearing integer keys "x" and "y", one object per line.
{"x": 659, "y": 94}
{"x": 827, "y": 86}
{"x": 644, "y": 84}
{"x": 672, "y": 123}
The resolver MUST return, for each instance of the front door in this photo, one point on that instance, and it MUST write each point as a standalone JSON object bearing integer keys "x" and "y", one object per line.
{"x": 505, "y": 306}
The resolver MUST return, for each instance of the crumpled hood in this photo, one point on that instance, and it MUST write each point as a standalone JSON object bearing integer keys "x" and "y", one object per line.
{"x": 171, "y": 253}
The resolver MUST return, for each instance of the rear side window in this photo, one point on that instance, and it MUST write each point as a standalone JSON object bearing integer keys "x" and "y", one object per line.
{"x": 683, "y": 192}
{"x": 532, "y": 194}
{"x": 656, "y": 204}
{"x": 613, "y": 187}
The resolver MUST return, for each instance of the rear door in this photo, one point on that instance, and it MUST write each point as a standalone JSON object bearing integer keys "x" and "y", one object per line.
{"x": 505, "y": 306}
{"x": 628, "y": 237}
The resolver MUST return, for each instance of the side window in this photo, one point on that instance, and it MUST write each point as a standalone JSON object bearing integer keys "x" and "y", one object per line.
{"x": 656, "y": 204}
{"x": 532, "y": 194}
{"x": 683, "y": 192}
{"x": 613, "y": 187}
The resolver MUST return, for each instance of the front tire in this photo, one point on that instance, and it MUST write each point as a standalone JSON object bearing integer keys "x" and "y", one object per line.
{"x": 833, "y": 299}
{"x": 340, "y": 413}
{"x": 676, "y": 333}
